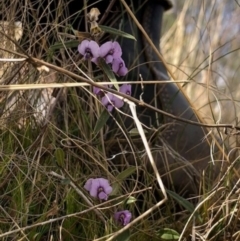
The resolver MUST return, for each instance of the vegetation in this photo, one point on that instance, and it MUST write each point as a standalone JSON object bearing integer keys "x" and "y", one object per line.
{"x": 53, "y": 137}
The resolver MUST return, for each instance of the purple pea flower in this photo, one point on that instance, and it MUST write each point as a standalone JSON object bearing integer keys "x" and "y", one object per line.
{"x": 100, "y": 92}
{"x": 110, "y": 50}
{"x": 126, "y": 89}
{"x": 98, "y": 187}
{"x": 89, "y": 49}
{"x": 111, "y": 101}
{"x": 118, "y": 67}
{"x": 97, "y": 91}
{"x": 123, "y": 217}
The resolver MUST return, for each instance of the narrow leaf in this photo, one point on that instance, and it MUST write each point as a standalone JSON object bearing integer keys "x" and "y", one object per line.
{"x": 60, "y": 156}
{"x": 117, "y": 32}
{"x": 101, "y": 121}
{"x": 126, "y": 173}
{"x": 107, "y": 70}
{"x": 121, "y": 177}
{"x": 182, "y": 201}
{"x": 67, "y": 44}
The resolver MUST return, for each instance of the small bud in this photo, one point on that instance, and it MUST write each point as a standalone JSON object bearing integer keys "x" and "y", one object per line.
{"x": 93, "y": 15}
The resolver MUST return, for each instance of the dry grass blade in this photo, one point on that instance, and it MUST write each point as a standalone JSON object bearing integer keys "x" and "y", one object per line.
{"x": 47, "y": 105}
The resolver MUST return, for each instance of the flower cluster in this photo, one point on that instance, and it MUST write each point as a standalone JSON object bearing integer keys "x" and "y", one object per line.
{"x": 100, "y": 188}
{"x": 110, "y": 51}
{"x": 110, "y": 100}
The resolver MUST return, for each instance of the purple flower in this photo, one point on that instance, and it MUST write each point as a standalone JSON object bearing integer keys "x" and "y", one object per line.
{"x": 118, "y": 67}
{"x": 126, "y": 89}
{"x": 111, "y": 101}
{"x": 123, "y": 217}
{"x": 110, "y": 50}
{"x": 100, "y": 92}
{"x": 89, "y": 49}
{"x": 98, "y": 187}
{"x": 97, "y": 91}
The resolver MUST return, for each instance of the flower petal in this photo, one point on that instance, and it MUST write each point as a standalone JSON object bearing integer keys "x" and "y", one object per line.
{"x": 117, "y": 50}
{"x": 88, "y": 184}
{"x": 116, "y": 64}
{"x": 117, "y": 102}
{"x": 111, "y": 101}
{"x": 110, "y": 107}
{"x": 122, "y": 71}
{"x": 94, "y": 49}
{"x": 94, "y": 188}
{"x": 82, "y": 47}
{"x": 118, "y": 67}
{"x": 107, "y": 99}
{"x": 108, "y": 190}
{"x": 128, "y": 217}
{"x": 126, "y": 89}
{"x": 104, "y": 183}
{"x": 105, "y": 49}
{"x": 109, "y": 59}
{"x": 96, "y": 90}
{"x": 95, "y": 60}
{"x": 102, "y": 196}
{"x": 106, "y": 186}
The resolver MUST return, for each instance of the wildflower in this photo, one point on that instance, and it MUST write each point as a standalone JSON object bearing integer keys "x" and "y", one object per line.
{"x": 89, "y": 49}
{"x": 118, "y": 67}
{"x": 123, "y": 217}
{"x": 126, "y": 89}
{"x": 109, "y": 51}
{"x": 100, "y": 92}
{"x": 97, "y": 91}
{"x": 111, "y": 101}
{"x": 98, "y": 187}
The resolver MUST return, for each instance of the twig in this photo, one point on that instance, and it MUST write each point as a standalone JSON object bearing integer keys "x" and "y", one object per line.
{"x": 12, "y": 60}
{"x": 37, "y": 62}
{"x": 52, "y": 220}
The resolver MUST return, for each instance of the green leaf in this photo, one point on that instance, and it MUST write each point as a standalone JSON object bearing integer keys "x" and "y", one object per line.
{"x": 185, "y": 203}
{"x": 101, "y": 121}
{"x": 121, "y": 177}
{"x": 117, "y": 32}
{"x": 124, "y": 236}
{"x": 115, "y": 188}
{"x": 67, "y": 44}
{"x": 107, "y": 70}
{"x": 60, "y": 156}
{"x": 182, "y": 201}
{"x": 168, "y": 234}
{"x": 134, "y": 132}
{"x": 131, "y": 200}
{"x": 126, "y": 173}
